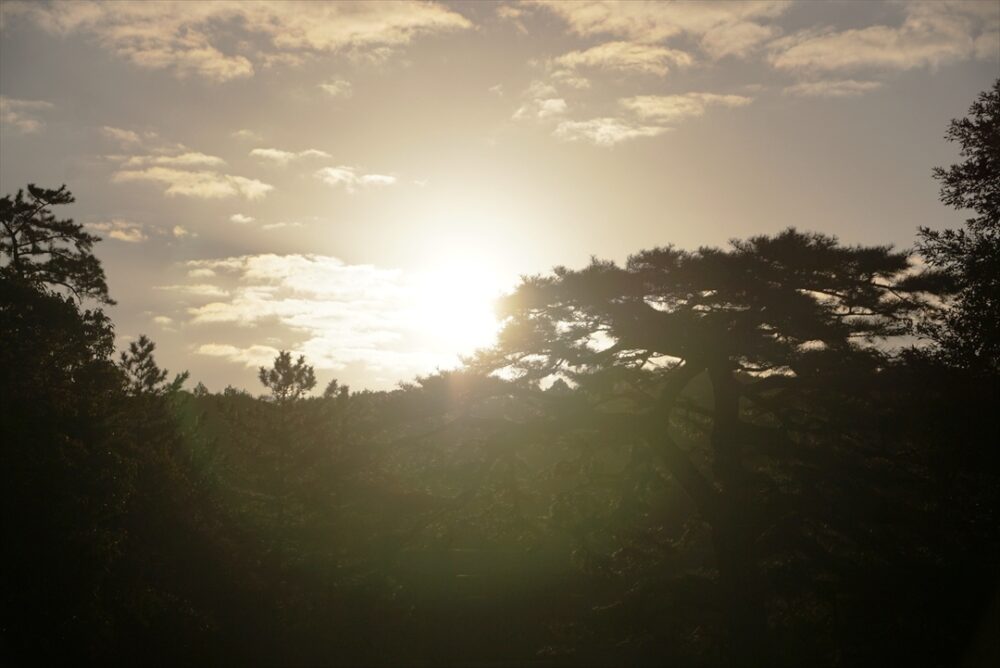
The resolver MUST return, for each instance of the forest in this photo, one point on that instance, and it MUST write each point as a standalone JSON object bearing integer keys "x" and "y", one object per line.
{"x": 784, "y": 452}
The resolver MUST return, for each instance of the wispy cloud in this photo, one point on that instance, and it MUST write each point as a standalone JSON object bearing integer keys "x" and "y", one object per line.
{"x": 201, "y": 184}
{"x": 719, "y": 28}
{"x": 241, "y": 219}
{"x": 541, "y": 108}
{"x": 123, "y": 137}
{"x": 205, "y": 290}
{"x": 838, "y": 88}
{"x": 673, "y": 108}
{"x": 626, "y": 57}
{"x": 282, "y": 158}
{"x": 349, "y": 178}
{"x": 246, "y": 135}
{"x": 606, "y": 131}
{"x": 121, "y": 230}
{"x": 930, "y": 35}
{"x": 221, "y": 41}
{"x": 23, "y": 115}
{"x": 337, "y": 88}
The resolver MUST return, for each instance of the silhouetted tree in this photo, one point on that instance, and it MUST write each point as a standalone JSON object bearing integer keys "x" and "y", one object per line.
{"x": 42, "y": 250}
{"x": 142, "y": 375}
{"x": 970, "y": 332}
{"x": 285, "y": 380}
{"x": 771, "y": 315}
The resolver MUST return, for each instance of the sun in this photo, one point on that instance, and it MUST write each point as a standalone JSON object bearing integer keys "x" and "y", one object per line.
{"x": 454, "y": 304}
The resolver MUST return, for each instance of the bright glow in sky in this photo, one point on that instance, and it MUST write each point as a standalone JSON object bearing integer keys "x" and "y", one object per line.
{"x": 357, "y": 182}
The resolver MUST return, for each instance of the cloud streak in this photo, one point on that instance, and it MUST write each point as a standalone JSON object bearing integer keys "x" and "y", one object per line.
{"x": 227, "y": 40}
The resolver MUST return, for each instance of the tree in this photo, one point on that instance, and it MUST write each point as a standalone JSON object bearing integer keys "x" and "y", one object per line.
{"x": 287, "y": 381}
{"x": 335, "y": 390}
{"x": 44, "y": 251}
{"x": 764, "y": 323}
{"x": 969, "y": 333}
{"x": 142, "y": 375}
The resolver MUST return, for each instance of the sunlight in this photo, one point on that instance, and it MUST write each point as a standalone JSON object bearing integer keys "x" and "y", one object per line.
{"x": 454, "y": 304}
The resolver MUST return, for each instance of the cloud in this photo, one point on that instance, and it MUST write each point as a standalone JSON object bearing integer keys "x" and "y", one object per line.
{"x": 241, "y": 219}
{"x": 123, "y": 137}
{"x": 626, "y": 57}
{"x": 22, "y": 114}
{"x": 282, "y": 158}
{"x": 252, "y": 356}
{"x": 280, "y": 225}
{"x": 841, "y": 88}
{"x": 180, "y": 232}
{"x": 338, "y": 313}
{"x": 931, "y": 35}
{"x": 201, "y": 273}
{"x": 221, "y": 41}
{"x": 121, "y": 230}
{"x": 673, "y": 108}
{"x": 337, "y": 88}
{"x": 201, "y": 184}
{"x": 720, "y": 28}
{"x": 163, "y": 321}
{"x": 349, "y": 178}
{"x": 542, "y": 108}
{"x": 606, "y": 131}
{"x": 247, "y": 135}
{"x": 197, "y": 290}
{"x": 186, "y": 159}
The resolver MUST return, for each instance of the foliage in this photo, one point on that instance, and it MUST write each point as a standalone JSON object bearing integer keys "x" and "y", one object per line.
{"x": 970, "y": 257}
{"x": 288, "y": 381}
{"x": 142, "y": 375}
{"x": 42, "y": 250}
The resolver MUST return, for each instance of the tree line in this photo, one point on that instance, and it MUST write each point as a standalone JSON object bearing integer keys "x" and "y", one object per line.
{"x": 782, "y": 452}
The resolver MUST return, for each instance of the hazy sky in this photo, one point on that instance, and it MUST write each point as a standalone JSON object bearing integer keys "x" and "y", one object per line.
{"x": 355, "y": 182}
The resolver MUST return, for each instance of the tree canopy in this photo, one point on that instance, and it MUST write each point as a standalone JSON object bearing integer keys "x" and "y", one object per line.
{"x": 42, "y": 250}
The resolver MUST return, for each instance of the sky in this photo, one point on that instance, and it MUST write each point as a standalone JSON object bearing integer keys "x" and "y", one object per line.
{"x": 358, "y": 182}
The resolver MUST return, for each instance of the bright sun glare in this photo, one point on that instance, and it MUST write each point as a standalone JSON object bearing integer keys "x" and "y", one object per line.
{"x": 454, "y": 305}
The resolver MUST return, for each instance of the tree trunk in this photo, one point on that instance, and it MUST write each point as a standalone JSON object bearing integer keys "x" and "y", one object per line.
{"x": 733, "y": 532}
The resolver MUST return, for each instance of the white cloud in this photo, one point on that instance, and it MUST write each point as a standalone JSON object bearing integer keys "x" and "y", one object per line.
{"x": 206, "y": 290}
{"x": 201, "y": 273}
{"x": 282, "y": 158}
{"x": 22, "y": 114}
{"x": 163, "y": 321}
{"x": 606, "y": 131}
{"x": 252, "y": 356}
{"x": 337, "y": 88}
{"x": 220, "y": 41}
{"x": 202, "y": 184}
{"x": 720, "y": 28}
{"x": 338, "y": 314}
{"x": 931, "y": 35}
{"x": 180, "y": 231}
{"x": 186, "y": 159}
{"x": 247, "y": 135}
{"x": 241, "y": 219}
{"x": 542, "y": 108}
{"x": 121, "y": 230}
{"x": 840, "y": 88}
{"x": 280, "y": 225}
{"x": 349, "y": 178}
{"x": 123, "y": 137}
{"x": 673, "y": 108}
{"x": 626, "y": 57}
